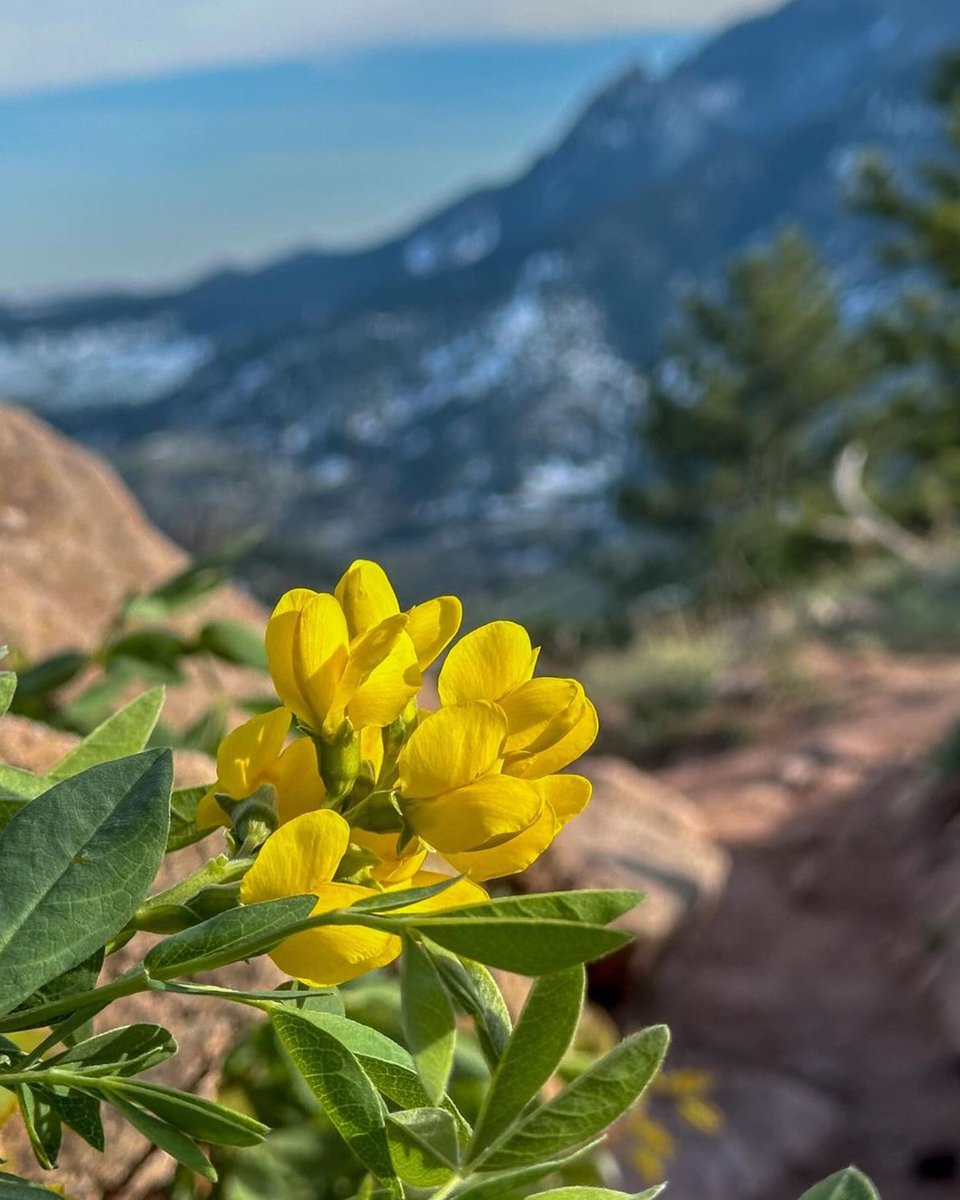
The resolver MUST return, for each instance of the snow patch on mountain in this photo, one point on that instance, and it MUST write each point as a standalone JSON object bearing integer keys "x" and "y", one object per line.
{"x": 123, "y": 364}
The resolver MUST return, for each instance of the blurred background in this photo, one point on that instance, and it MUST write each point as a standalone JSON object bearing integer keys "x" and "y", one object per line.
{"x": 636, "y": 321}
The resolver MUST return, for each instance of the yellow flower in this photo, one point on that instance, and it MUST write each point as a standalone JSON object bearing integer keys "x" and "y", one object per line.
{"x": 452, "y": 790}
{"x": 368, "y": 599}
{"x": 392, "y": 867}
{"x": 253, "y": 755}
{"x": 323, "y": 675}
{"x": 550, "y": 722}
{"x": 563, "y": 796}
{"x": 301, "y": 858}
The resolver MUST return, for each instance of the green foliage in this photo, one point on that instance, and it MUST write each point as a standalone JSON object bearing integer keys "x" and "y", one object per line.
{"x": 62, "y": 898}
{"x": 915, "y": 448}
{"x": 850, "y": 1184}
{"x": 339, "y": 1082}
{"x": 586, "y": 1107}
{"x": 428, "y": 1019}
{"x": 740, "y": 425}
{"x": 542, "y": 1037}
{"x": 139, "y": 648}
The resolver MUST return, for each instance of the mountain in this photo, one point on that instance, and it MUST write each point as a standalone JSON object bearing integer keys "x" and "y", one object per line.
{"x": 470, "y": 388}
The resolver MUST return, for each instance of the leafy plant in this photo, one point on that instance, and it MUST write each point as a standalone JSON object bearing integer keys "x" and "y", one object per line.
{"x": 80, "y": 848}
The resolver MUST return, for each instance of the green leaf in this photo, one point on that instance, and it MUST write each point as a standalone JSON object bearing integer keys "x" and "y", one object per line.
{"x": 46, "y": 676}
{"x": 520, "y": 945}
{"x": 389, "y": 1066}
{"x": 543, "y": 1035}
{"x": 75, "y": 864}
{"x": 18, "y": 784}
{"x": 233, "y": 643}
{"x": 183, "y": 818}
{"x": 12, "y": 1188}
{"x": 127, "y": 1050}
{"x": 588, "y": 907}
{"x": 387, "y": 901}
{"x": 43, "y": 1126}
{"x": 78, "y": 979}
{"x": 587, "y": 1106}
{"x": 150, "y": 649}
{"x": 79, "y": 1111}
{"x": 204, "y": 1119}
{"x": 228, "y": 937}
{"x": 336, "y": 1078}
{"x": 8, "y": 685}
{"x": 126, "y": 732}
{"x": 423, "y": 1145}
{"x": 495, "y": 1185}
{"x": 428, "y": 1019}
{"x": 475, "y": 992}
{"x": 309, "y": 1000}
{"x": 165, "y": 1137}
{"x": 597, "y": 1193}
{"x": 850, "y": 1184}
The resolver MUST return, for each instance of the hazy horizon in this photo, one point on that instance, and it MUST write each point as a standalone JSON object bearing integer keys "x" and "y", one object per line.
{"x": 154, "y": 181}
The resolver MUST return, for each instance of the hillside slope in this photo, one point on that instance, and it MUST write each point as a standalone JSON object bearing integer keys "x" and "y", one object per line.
{"x": 471, "y": 386}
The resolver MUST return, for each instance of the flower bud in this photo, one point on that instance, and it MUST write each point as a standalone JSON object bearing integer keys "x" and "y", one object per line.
{"x": 339, "y": 759}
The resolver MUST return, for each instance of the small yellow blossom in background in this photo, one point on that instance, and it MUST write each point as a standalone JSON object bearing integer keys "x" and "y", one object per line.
{"x": 652, "y": 1144}
{"x": 302, "y": 858}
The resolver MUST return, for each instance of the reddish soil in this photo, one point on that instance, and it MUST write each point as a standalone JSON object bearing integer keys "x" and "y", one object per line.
{"x": 810, "y": 993}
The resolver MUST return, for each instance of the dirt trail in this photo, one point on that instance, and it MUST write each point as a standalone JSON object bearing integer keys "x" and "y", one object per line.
{"x": 807, "y": 992}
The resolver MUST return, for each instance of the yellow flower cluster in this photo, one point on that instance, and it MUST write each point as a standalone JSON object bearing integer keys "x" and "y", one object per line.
{"x": 377, "y": 781}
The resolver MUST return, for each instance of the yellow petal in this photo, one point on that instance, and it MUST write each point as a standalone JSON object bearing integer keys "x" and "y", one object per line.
{"x": 540, "y": 711}
{"x": 280, "y": 637}
{"x": 296, "y": 777}
{"x": 432, "y": 626}
{"x": 512, "y": 856}
{"x": 457, "y": 895}
{"x": 209, "y": 813}
{"x": 393, "y": 868}
{"x": 388, "y": 686}
{"x": 371, "y": 750}
{"x": 298, "y": 858}
{"x": 365, "y": 596}
{"x": 451, "y": 748}
{"x": 487, "y": 663}
{"x": 246, "y": 754}
{"x": 334, "y": 954}
{"x": 474, "y": 816}
{"x": 320, "y": 650}
{"x": 567, "y": 795}
{"x": 564, "y": 795}
{"x": 565, "y": 750}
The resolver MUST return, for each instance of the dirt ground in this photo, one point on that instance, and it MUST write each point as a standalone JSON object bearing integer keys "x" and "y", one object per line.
{"x": 811, "y": 992}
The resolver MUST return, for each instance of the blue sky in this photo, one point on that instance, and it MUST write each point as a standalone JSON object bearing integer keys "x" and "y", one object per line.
{"x": 154, "y": 151}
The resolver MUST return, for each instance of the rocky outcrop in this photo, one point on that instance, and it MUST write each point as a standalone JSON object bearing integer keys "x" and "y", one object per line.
{"x": 638, "y": 833}
{"x": 74, "y": 544}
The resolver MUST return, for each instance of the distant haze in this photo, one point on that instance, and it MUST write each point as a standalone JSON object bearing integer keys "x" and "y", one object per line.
{"x": 153, "y": 180}
{"x": 55, "y": 42}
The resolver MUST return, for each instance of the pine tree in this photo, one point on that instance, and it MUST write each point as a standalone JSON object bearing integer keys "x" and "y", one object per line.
{"x": 743, "y": 421}
{"x": 915, "y": 446}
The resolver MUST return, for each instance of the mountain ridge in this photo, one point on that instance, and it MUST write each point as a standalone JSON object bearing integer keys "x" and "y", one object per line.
{"x": 472, "y": 387}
